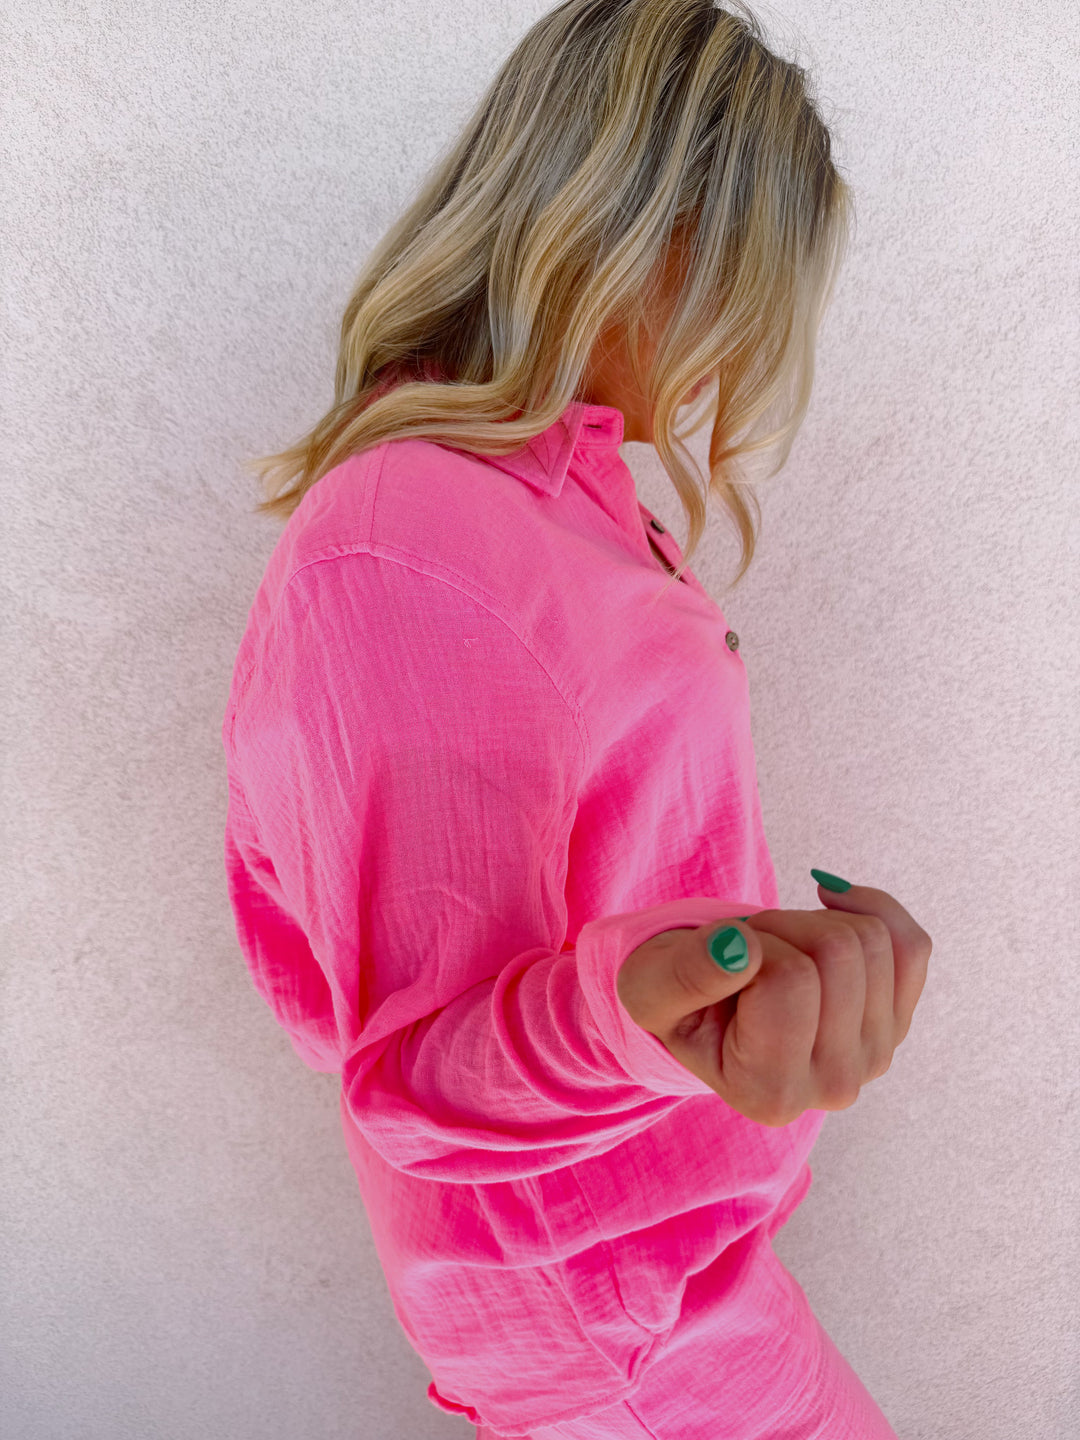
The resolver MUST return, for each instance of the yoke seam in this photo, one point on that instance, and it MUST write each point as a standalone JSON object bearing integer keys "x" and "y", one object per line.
{"x": 455, "y": 581}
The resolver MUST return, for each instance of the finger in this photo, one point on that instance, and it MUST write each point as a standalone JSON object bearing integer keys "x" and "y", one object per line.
{"x": 768, "y": 1042}
{"x": 910, "y": 943}
{"x": 848, "y": 1050}
{"x": 871, "y": 1040}
{"x": 837, "y": 1060}
{"x": 879, "y": 1037}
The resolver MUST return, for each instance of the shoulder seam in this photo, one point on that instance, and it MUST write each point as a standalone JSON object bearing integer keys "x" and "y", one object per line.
{"x": 457, "y": 582}
{"x": 240, "y": 686}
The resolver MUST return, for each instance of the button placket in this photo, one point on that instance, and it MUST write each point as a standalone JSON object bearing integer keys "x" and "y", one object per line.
{"x": 731, "y": 640}
{"x": 660, "y": 530}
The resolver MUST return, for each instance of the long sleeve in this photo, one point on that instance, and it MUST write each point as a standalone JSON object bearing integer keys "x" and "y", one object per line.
{"x": 404, "y": 776}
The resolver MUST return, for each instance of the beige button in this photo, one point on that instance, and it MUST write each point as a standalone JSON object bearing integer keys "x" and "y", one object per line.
{"x": 731, "y": 640}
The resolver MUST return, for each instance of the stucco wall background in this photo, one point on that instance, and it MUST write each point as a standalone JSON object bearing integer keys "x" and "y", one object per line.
{"x": 188, "y": 192}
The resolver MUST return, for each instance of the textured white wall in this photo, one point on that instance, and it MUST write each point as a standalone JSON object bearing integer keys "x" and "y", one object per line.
{"x": 188, "y": 191}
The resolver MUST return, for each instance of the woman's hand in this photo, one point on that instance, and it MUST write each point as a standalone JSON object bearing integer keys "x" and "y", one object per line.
{"x": 825, "y": 1000}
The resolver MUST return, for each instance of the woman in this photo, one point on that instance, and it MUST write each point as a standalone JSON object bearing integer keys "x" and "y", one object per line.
{"x": 492, "y": 796}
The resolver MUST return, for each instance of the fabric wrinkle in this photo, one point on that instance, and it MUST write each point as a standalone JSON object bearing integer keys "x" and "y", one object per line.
{"x": 471, "y": 767}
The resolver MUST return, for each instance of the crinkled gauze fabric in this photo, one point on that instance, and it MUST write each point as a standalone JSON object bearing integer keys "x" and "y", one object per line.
{"x": 470, "y": 768}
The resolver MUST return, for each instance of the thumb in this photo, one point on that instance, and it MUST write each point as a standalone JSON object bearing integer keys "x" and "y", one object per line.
{"x": 733, "y": 952}
{"x": 681, "y": 971}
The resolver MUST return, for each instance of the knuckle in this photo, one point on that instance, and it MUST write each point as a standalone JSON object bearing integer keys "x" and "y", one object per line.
{"x": 842, "y": 1100}
{"x": 765, "y": 1100}
{"x": 838, "y": 943}
{"x": 776, "y": 1121}
{"x": 841, "y": 1091}
{"x": 774, "y": 1117}
{"x": 800, "y": 972}
{"x": 876, "y": 931}
{"x": 783, "y": 1106}
{"x": 878, "y": 1061}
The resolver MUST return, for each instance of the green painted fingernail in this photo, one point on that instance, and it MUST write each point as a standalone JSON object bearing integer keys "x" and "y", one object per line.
{"x": 729, "y": 949}
{"x": 831, "y": 882}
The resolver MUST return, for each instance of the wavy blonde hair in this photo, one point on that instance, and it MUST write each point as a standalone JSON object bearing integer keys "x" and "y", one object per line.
{"x": 615, "y": 129}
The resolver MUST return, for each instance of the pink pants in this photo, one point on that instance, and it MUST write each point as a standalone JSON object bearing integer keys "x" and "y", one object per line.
{"x": 817, "y": 1395}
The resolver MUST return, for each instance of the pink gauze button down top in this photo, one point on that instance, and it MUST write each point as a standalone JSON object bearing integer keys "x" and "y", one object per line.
{"x": 470, "y": 768}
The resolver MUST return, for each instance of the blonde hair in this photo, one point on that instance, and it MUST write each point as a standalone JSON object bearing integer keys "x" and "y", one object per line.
{"x": 614, "y": 129}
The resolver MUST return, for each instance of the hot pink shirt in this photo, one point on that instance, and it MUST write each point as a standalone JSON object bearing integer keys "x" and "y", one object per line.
{"x": 470, "y": 769}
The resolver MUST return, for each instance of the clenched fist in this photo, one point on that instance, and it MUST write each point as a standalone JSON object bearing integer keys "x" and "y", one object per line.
{"x": 825, "y": 1000}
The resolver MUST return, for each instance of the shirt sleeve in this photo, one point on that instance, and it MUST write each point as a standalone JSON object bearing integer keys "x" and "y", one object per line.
{"x": 403, "y": 785}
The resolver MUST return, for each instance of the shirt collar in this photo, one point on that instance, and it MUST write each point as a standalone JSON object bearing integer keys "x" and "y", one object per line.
{"x": 544, "y": 460}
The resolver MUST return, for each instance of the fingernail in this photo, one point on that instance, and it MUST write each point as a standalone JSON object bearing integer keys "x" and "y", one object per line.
{"x": 831, "y": 882}
{"x": 729, "y": 949}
